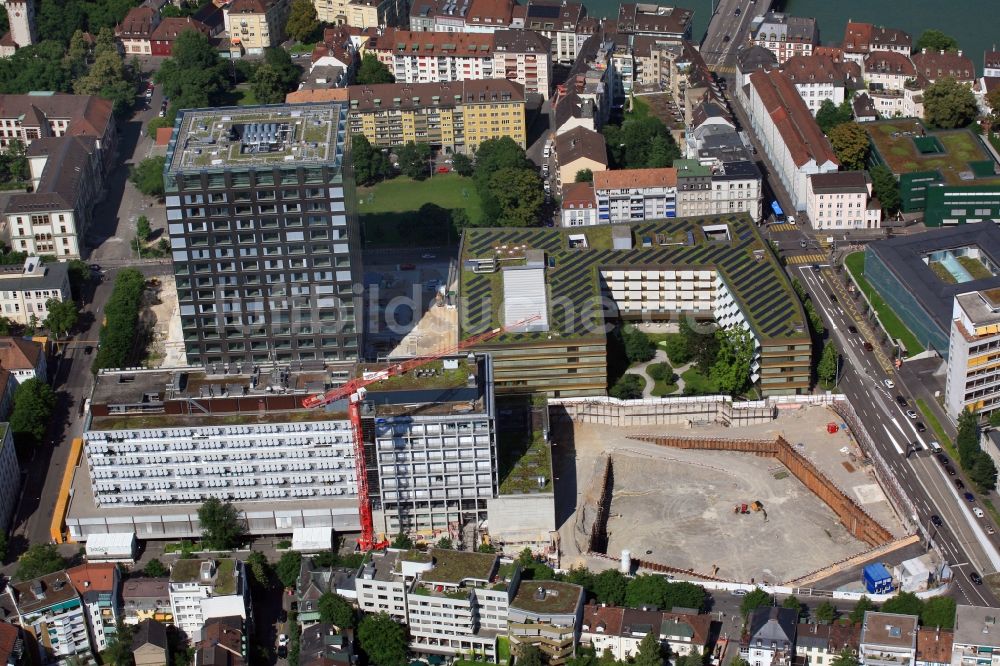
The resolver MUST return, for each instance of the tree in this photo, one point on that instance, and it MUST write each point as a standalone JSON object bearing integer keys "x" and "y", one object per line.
{"x": 651, "y": 651}
{"x": 949, "y": 104}
{"x": 107, "y": 76}
{"x": 37, "y": 67}
{"x": 370, "y": 164}
{"x": 826, "y": 370}
{"x": 610, "y": 586}
{"x": 486, "y": 548}
{"x": 702, "y": 345}
{"x": 266, "y": 83}
{"x": 935, "y": 40}
{"x": 118, "y": 335}
{"x": 518, "y": 192}
{"x": 302, "y": 24}
{"x": 445, "y": 543}
{"x": 639, "y": 143}
{"x": 495, "y": 154}
{"x": 995, "y": 419}
{"x": 938, "y": 612}
{"x": 993, "y": 102}
{"x": 684, "y": 594}
{"x": 754, "y": 600}
{"x": 863, "y": 605}
{"x": 628, "y": 387}
{"x": 40, "y": 559}
{"x": 373, "y": 71}
{"x": 337, "y": 610}
{"x": 967, "y": 439}
{"x": 221, "y": 527}
{"x": 845, "y": 658}
{"x": 825, "y": 613}
{"x": 677, "y": 349}
{"x": 731, "y": 369}
{"x": 3, "y": 546}
{"x": 646, "y": 590}
{"x": 155, "y": 569}
{"x": 885, "y": 187}
{"x": 584, "y": 176}
{"x": 792, "y": 602}
{"x": 581, "y": 576}
{"x": 983, "y": 473}
{"x": 260, "y": 568}
{"x": 850, "y": 143}
{"x": 462, "y": 164}
{"x": 414, "y": 159}
{"x": 34, "y": 401}
{"x": 119, "y": 649}
{"x": 142, "y": 228}
{"x": 904, "y": 603}
{"x": 830, "y": 115}
{"x": 281, "y": 62}
{"x": 383, "y": 640}
{"x": 288, "y": 567}
{"x": 662, "y": 152}
{"x": 61, "y": 317}
{"x": 194, "y": 76}
{"x": 147, "y": 176}
{"x": 529, "y": 655}
{"x": 638, "y": 347}
{"x": 402, "y": 542}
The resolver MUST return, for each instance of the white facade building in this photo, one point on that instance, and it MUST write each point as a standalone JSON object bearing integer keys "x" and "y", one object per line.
{"x": 10, "y": 477}
{"x": 973, "y": 379}
{"x": 50, "y": 609}
{"x": 784, "y": 35}
{"x": 888, "y": 638}
{"x": 977, "y": 636}
{"x": 203, "y": 589}
{"x": 579, "y": 207}
{"x": 634, "y": 195}
{"x": 842, "y": 200}
{"x": 789, "y": 133}
{"x": 24, "y": 290}
{"x": 818, "y": 77}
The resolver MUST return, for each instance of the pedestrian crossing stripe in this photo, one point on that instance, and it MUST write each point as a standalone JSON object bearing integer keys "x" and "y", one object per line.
{"x": 806, "y": 259}
{"x": 782, "y": 227}
{"x": 726, "y": 69}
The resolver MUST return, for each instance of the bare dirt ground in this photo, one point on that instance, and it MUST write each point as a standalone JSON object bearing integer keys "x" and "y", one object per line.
{"x": 679, "y": 504}
{"x": 167, "y": 344}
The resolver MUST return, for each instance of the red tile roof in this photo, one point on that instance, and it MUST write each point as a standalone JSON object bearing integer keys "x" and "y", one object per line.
{"x": 499, "y": 12}
{"x": 817, "y": 68}
{"x": 622, "y": 179}
{"x": 411, "y": 43}
{"x": 138, "y": 23}
{"x": 941, "y": 64}
{"x": 934, "y": 645}
{"x": 19, "y": 354}
{"x": 600, "y": 619}
{"x": 8, "y": 639}
{"x": 796, "y": 125}
{"x": 890, "y": 62}
{"x": 92, "y": 577}
{"x": 864, "y": 37}
{"x": 578, "y": 195}
{"x": 171, "y": 28}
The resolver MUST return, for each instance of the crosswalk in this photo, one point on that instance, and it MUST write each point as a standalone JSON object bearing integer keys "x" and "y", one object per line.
{"x": 799, "y": 259}
{"x": 782, "y": 227}
{"x": 725, "y": 69}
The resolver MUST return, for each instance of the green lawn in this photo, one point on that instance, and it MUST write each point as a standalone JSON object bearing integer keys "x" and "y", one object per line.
{"x": 389, "y": 210}
{"x": 697, "y": 383}
{"x": 640, "y": 108}
{"x": 301, "y": 48}
{"x": 856, "y": 264}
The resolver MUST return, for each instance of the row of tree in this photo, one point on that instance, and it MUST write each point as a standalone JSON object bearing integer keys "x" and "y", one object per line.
{"x": 640, "y": 142}
{"x": 933, "y": 612}
{"x": 118, "y": 335}
{"x": 976, "y": 462}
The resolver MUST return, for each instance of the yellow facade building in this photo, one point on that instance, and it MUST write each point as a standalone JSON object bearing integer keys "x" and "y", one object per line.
{"x": 254, "y": 25}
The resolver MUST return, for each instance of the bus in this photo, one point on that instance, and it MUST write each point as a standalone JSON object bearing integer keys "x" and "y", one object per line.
{"x": 779, "y": 215}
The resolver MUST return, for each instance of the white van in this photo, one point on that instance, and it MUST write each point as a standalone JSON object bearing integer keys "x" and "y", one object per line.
{"x": 935, "y": 447}
{"x": 790, "y": 219}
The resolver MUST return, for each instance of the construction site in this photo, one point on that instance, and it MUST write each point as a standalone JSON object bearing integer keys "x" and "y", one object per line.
{"x": 765, "y": 503}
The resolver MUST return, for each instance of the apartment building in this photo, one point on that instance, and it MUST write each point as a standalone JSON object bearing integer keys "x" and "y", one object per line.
{"x": 579, "y": 206}
{"x": 577, "y": 150}
{"x": 976, "y": 639}
{"x": 558, "y": 20}
{"x": 223, "y": 641}
{"x": 133, "y": 33}
{"x": 888, "y": 639}
{"x": 621, "y": 630}
{"x": 146, "y": 599}
{"x": 973, "y": 379}
{"x": 254, "y": 25}
{"x": 439, "y": 15}
{"x": 67, "y": 178}
{"x": 784, "y": 35}
{"x": 149, "y": 644}
{"x": 25, "y": 290}
{"x": 99, "y": 587}
{"x": 167, "y": 31}
{"x": 361, "y": 14}
{"x": 724, "y": 188}
{"x": 379, "y": 588}
{"x": 770, "y": 637}
{"x": 547, "y": 615}
{"x": 204, "y": 589}
{"x": 934, "y": 646}
{"x": 490, "y": 16}
{"x": 13, "y": 650}
{"x": 10, "y": 477}
{"x": 819, "y": 77}
{"x": 453, "y": 117}
{"x": 860, "y": 39}
{"x": 892, "y": 82}
{"x": 820, "y": 644}
{"x": 789, "y": 133}
{"x": 653, "y": 20}
{"x": 265, "y": 246}
{"x": 50, "y": 609}
{"x": 593, "y": 78}
{"x": 634, "y": 195}
{"x": 523, "y": 56}
{"x": 842, "y": 200}
{"x": 420, "y": 57}
{"x": 749, "y": 59}
{"x": 936, "y": 65}
{"x": 325, "y": 644}
{"x": 44, "y": 114}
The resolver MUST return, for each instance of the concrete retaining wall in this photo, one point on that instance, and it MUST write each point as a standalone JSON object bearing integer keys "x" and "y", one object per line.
{"x": 516, "y": 519}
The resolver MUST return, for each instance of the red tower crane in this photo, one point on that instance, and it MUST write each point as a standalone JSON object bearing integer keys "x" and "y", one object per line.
{"x": 355, "y": 391}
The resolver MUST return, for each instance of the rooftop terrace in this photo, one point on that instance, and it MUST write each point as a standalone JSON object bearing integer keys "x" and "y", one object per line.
{"x": 189, "y": 571}
{"x": 546, "y": 597}
{"x": 453, "y": 567}
{"x": 257, "y": 136}
{"x": 571, "y": 273}
{"x": 906, "y": 146}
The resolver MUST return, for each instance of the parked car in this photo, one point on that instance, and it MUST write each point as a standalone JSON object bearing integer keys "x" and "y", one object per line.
{"x": 977, "y": 512}
{"x": 833, "y": 298}
{"x": 951, "y": 471}
{"x": 936, "y": 519}
{"x": 959, "y": 484}
{"x": 901, "y": 401}
{"x": 975, "y": 578}
{"x": 282, "y": 652}
{"x": 889, "y": 383}
{"x": 738, "y": 593}
{"x": 920, "y": 426}
{"x": 911, "y": 414}
{"x": 283, "y": 639}
{"x": 990, "y": 530}
{"x": 969, "y": 497}
{"x": 942, "y": 458}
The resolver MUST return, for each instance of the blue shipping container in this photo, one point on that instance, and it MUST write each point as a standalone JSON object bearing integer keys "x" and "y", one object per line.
{"x": 877, "y": 579}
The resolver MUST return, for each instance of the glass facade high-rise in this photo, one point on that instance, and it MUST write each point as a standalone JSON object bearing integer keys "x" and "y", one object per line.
{"x": 263, "y": 236}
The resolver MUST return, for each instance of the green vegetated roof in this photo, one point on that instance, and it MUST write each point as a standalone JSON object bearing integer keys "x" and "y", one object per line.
{"x": 747, "y": 266}
{"x": 907, "y": 146}
{"x": 555, "y": 597}
{"x": 452, "y": 566}
{"x": 189, "y": 571}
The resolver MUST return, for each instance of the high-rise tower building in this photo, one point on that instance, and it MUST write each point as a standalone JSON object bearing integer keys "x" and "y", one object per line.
{"x": 264, "y": 237}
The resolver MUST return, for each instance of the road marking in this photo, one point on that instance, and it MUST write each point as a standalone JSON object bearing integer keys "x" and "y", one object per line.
{"x": 799, "y": 259}
{"x": 892, "y": 439}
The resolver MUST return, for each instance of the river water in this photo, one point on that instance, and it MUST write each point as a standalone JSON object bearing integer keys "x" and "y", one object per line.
{"x": 974, "y": 23}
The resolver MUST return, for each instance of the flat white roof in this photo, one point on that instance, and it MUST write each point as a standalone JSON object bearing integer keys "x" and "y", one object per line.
{"x": 112, "y": 543}
{"x": 312, "y": 539}
{"x": 524, "y": 296}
